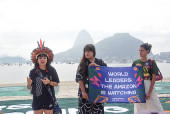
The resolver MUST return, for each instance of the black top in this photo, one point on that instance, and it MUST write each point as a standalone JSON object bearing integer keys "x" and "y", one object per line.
{"x": 82, "y": 76}
{"x": 39, "y": 89}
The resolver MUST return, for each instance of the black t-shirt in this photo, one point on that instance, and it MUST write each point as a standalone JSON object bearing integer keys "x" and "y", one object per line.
{"x": 82, "y": 76}
{"x": 39, "y": 89}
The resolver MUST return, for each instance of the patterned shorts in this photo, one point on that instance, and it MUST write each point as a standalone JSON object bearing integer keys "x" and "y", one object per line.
{"x": 85, "y": 107}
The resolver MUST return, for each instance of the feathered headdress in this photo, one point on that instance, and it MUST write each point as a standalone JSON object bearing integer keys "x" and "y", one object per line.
{"x": 41, "y": 50}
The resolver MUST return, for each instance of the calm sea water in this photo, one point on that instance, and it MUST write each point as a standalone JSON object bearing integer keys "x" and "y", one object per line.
{"x": 66, "y": 72}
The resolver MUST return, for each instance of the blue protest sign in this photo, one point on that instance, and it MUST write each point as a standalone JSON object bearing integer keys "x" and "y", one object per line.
{"x": 116, "y": 84}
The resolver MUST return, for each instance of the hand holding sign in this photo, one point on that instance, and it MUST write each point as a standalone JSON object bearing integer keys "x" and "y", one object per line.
{"x": 85, "y": 96}
{"x": 93, "y": 64}
{"x": 148, "y": 95}
{"x": 139, "y": 65}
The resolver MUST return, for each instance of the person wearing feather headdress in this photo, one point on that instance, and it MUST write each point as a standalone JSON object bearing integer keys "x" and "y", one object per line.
{"x": 42, "y": 79}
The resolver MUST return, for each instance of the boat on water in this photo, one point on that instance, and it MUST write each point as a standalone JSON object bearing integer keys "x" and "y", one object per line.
{"x": 123, "y": 61}
{"x": 167, "y": 61}
{"x": 20, "y": 64}
{"x": 68, "y": 62}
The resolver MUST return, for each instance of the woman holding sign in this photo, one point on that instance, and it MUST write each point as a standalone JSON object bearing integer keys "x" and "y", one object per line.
{"x": 152, "y": 101}
{"x": 88, "y": 59}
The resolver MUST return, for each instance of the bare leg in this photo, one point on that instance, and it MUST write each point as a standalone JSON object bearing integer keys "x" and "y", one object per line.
{"x": 38, "y": 111}
{"x": 48, "y": 111}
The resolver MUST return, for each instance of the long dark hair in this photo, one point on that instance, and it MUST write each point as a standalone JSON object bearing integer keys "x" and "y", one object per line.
{"x": 146, "y": 46}
{"x": 83, "y": 61}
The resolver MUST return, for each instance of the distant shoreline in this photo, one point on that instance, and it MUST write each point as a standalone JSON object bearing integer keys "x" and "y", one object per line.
{"x": 61, "y": 82}
{"x": 24, "y": 84}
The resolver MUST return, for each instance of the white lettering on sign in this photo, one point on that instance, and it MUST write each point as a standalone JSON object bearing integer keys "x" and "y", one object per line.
{"x": 1, "y": 107}
{"x": 121, "y": 92}
{"x": 19, "y": 106}
{"x": 118, "y": 80}
{"x": 72, "y": 110}
{"x": 115, "y": 109}
{"x": 106, "y": 86}
{"x": 111, "y": 109}
{"x": 30, "y": 112}
{"x": 127, "y": 86}
{"x": 118, "y": 73}
{"x": 14, "y": 113}
{"x": 63, "y": 111}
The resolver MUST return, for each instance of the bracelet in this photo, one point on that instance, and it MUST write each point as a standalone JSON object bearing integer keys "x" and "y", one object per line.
{"x": 50, "y": 82}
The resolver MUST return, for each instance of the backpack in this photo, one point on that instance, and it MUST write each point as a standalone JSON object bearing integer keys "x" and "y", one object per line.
{"x": 159, "y": 75}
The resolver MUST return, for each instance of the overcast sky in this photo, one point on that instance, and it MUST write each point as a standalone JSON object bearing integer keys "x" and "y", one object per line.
{"x": 24, "y": 22}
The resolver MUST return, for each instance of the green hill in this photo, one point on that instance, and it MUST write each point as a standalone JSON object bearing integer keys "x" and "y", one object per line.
{"x": 120, "y": 45}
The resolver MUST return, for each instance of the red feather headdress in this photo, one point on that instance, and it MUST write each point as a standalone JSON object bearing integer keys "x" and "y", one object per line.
{"x": 41, "y": 50}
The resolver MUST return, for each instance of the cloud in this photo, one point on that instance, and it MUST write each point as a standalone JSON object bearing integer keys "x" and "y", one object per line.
{"x": 24, "y": 22}
{"x": 158, "y": 36}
